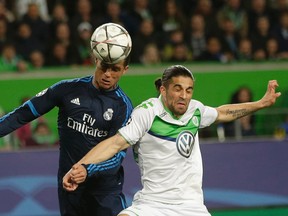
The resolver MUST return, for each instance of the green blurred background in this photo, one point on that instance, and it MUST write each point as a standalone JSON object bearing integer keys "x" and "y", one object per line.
{"x": 214, "y": 85}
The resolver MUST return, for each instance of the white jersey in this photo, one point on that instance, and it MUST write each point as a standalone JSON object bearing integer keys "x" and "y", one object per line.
{"x": 167, "y": 151}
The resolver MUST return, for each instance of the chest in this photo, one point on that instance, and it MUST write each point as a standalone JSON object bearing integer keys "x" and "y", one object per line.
{"x": 89, "y": 111}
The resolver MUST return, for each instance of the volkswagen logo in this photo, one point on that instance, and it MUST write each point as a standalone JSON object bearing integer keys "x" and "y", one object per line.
{"x": 185, "y": 142}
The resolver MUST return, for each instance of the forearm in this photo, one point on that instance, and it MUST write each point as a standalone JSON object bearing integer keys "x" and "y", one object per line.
{"x": 105, "y": 150}
{"x": 107, "y": 167}
{"x": 16, "y": 119}
{"x": 231, "y": 112}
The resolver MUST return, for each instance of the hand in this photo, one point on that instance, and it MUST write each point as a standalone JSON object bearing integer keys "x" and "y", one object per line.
{"x": 78, "y": 173}
{"x": 271, "y": 95}
{"x": 68, "y": 183}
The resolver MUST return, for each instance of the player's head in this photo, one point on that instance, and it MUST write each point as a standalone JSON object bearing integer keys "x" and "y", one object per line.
{"x": 176, "y": 88}
{"x": 111, "y": 45}
{"x": 107, "y": 75}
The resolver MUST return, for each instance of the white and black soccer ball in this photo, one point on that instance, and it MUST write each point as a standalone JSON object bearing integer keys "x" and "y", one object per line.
{"x": 111, "y": 43}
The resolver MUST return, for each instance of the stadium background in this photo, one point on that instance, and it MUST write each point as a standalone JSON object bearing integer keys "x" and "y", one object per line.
{"x": 244, "y": 177}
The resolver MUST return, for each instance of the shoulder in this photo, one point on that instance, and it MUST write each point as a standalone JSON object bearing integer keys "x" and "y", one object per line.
{"x": 72, "y": 82}
{"x": 149, "y": 108}
{"x": 119, "y": 98}
{"x": 120, "y": 93}
{"x": 152, "y": 104}
{"x": 195, "y": 104}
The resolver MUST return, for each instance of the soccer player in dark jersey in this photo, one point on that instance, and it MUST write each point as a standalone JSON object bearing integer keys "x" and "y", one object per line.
{"x": 91, "y": 109}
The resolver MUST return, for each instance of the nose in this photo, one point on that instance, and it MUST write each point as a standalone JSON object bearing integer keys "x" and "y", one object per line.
{"x": 108, "y": 71}
{"x": 183, "y": 94}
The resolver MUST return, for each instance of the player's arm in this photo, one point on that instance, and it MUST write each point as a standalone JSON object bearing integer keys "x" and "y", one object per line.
{"x": 27, "y": 112}
{"x": 141, "y": 119}
{"x": 38, "y": 105}
{"x": 101, "y": 152}
{"x": 107, "y": 167}
{"x": 230, "y": 112}
{"x": 112, "y": 165}
{"x": 17, "y": 118}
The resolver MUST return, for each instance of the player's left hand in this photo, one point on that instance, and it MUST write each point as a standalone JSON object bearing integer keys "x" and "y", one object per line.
{"x": 68, "y": 183}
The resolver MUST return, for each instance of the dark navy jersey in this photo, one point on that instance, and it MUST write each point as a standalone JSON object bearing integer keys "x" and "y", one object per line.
{"x": 86, "y": 117}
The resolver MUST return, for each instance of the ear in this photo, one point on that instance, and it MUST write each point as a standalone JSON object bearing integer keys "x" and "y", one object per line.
{"x": 126, "y": 69}
{"x": 163, "y": 91}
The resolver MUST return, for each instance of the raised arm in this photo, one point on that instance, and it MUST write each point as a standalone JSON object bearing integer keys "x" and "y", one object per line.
{"x": 230, "y": 112}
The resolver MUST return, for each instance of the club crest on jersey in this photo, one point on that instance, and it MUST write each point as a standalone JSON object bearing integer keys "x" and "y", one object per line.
{"x": 108, "y": 114}
{"x": 42, "y": 92}
{"x": 185, "y": 142}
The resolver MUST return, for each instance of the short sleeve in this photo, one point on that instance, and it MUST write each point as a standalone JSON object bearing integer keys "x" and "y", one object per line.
{"x": 140, "y": 122}
{"x": 209, "y": 116}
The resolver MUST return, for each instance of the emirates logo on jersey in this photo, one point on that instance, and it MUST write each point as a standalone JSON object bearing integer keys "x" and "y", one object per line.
{"x": 185, "y": 142}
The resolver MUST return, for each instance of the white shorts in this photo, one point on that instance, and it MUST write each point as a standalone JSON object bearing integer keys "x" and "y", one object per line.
{"x": 144, "y": 208}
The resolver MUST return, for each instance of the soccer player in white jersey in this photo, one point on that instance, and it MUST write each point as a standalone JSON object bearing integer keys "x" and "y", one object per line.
{"x": 163, "y": 132}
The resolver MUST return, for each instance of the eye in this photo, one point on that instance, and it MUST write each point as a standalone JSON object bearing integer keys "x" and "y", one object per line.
{"x": 103, "y": 66}
{"x": 116, "y": 69}
{"x": 177, "y": 89}
{"x": 189, "y": 91}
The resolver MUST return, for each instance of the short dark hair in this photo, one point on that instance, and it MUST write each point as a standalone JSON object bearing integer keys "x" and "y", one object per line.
{"x": 170, "y": 72}
{"x": 126, "y": 60}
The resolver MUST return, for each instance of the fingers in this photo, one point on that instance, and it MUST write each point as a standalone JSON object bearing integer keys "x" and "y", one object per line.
{"x": 78, "y": 174}
{"x": 70, "y": 186}
{"x": 271, "y": 94}
{"x": 272, "y": 85}
{"x": 68, "y": 183}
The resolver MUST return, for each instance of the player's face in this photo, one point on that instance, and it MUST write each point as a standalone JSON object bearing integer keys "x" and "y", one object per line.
{"x": 107, "y": 75}
{"x": 178, "y": 95}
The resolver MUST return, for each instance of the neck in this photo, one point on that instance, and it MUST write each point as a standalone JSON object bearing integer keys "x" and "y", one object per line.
{"x": 173, "y": 115}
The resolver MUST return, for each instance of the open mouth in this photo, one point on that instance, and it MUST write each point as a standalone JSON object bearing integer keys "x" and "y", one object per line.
{"x": 105, "y": 82}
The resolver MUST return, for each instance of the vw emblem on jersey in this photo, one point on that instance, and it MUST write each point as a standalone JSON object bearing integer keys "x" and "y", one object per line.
{"x": 195, "y": 121}
{"x": 108, "y": 114}
{"x": 42, "y": 92}
{"x": 185, "y": 142}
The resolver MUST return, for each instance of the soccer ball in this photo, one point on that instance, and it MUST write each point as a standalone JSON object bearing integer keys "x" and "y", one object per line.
{"x": 111, "y": 43}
